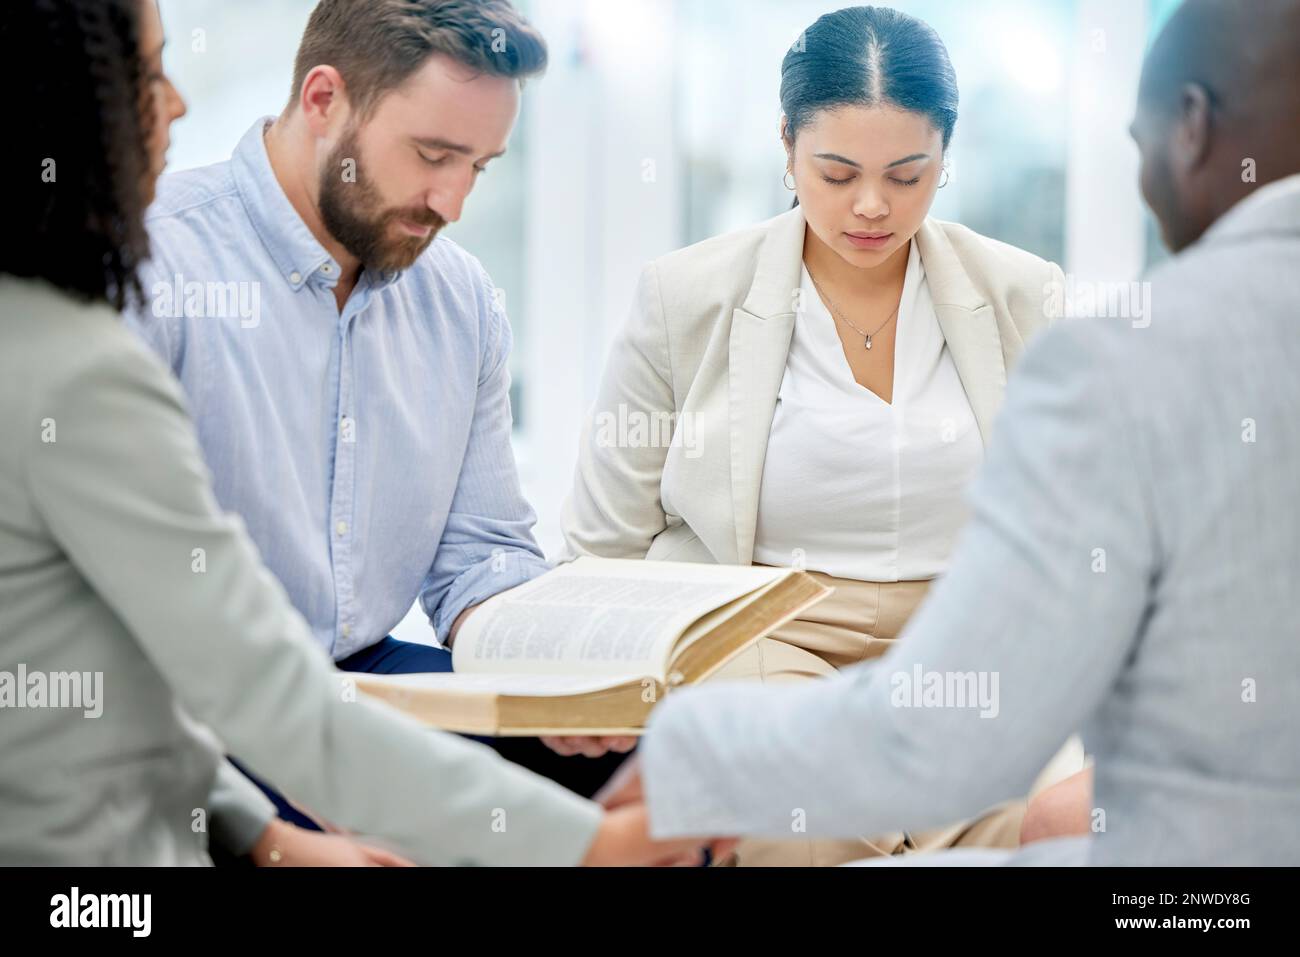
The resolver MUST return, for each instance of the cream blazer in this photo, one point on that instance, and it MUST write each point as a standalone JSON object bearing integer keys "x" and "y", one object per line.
{"x": 671, "y": 459}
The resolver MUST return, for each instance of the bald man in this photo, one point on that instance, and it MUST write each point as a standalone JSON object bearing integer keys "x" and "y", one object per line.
{"x": 1130, "y": 567}
{"x": 1220, "y": 94}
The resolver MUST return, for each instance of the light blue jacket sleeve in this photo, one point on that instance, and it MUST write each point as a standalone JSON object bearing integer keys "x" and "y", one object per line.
{"x": 1024, "y": 634}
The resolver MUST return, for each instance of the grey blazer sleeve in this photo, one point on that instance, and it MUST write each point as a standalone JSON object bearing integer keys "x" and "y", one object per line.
{"x": 238, "y": 811}
{"x": 1043, "y": 602}
{"x": 126, "y": 494}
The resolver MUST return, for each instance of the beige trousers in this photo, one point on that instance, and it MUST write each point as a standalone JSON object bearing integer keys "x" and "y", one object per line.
{"x": 856, "y": 623}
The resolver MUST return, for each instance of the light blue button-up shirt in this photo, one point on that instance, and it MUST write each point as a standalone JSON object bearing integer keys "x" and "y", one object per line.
{"x": 368, "y": 452}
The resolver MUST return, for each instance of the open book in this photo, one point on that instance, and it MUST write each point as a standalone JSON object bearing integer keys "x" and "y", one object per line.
{"x": 589, "y": 647}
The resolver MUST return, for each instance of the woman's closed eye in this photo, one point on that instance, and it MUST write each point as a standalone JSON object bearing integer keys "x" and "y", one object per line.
{"x": 893, "y": 179}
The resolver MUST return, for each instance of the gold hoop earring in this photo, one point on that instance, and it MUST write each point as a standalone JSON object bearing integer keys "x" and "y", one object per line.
{"x": 786, "y": 179}
{"x": 945, "y": 178}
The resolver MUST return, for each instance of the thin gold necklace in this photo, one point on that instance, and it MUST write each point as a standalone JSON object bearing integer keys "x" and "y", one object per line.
{"x": 839, "y": 313}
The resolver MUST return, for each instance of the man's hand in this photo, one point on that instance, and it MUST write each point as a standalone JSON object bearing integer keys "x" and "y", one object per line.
{"x": 623, "y": 794}
{"x": 590, "y": 747}
{"x": 624, "y": 841}
{"x": 285, "y": 845}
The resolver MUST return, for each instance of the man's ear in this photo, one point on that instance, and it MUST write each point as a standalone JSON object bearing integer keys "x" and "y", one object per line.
{"x": 1194, "y": 131}
{"x": 323, "y": 100}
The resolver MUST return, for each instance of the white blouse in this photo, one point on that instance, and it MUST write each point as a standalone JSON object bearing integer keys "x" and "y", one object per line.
{"x": 854, "y": 486}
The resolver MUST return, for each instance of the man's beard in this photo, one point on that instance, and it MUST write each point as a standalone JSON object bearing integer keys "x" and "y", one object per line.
{"x": 352, "y": 213}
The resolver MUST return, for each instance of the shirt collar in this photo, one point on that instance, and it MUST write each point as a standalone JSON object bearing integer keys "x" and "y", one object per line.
{"x": 297, "y": 253}
{"x": 1241, "y": 217}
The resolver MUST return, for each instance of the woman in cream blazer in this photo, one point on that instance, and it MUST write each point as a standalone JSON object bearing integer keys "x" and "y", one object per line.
{"x": 808, "y": 427}
{"x": 708, "y": 341}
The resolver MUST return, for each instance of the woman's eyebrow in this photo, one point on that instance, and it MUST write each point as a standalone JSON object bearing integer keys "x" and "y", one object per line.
{"x": 836, "y": 158}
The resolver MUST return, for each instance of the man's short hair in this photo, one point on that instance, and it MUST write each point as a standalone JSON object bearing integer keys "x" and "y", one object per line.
{"x": 376, "y": 45}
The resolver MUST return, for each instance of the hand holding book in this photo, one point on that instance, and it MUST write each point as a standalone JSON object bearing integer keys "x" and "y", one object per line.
{"x": 589, "y": 746}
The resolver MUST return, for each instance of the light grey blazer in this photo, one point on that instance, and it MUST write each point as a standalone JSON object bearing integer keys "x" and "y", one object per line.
{"x": 707, "y": 343}
{"x": 1130, "y": 568}
{"x": 115, "y": 559}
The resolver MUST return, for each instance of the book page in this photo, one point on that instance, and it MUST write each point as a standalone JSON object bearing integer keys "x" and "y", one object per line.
{"x": 606, "y": 617}
{"x": 514, "y": 684}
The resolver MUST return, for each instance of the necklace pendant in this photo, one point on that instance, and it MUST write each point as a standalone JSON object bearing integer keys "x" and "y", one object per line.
{"x": 868, "y": 338}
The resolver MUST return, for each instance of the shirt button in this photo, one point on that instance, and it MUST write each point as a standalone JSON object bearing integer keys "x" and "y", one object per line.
{"x": 295, "y": 278}
{"x": 346, "y": 631}
{"x": 327, "y": 269}
{"x": 341, "y": 528}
